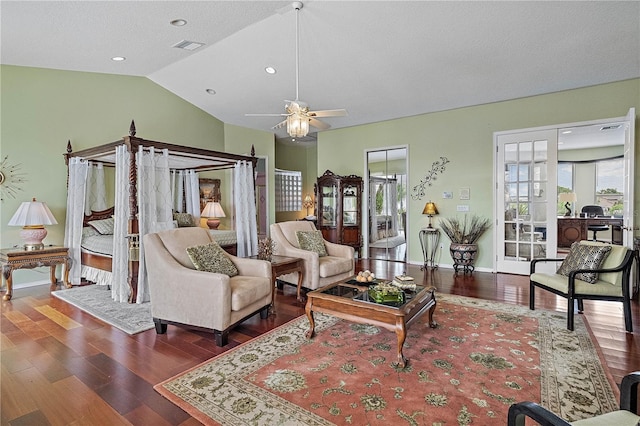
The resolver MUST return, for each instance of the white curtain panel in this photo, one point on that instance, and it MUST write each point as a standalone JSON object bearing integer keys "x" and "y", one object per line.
{"x": 192, "y": 190}
{"x": 96, "y": 191}
{"x": 177, "y": 188}
{"x": 120, "y": 260}
{"x": 78, "y": 170}
{"x": 154, "y": 204}
{"x": 245, "y": 209}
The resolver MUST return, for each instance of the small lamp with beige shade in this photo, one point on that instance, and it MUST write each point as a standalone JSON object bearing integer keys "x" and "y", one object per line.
{"x": 430, "y": 210}
{"x": 33, "y": 216}
{"x": 213, "y": 211}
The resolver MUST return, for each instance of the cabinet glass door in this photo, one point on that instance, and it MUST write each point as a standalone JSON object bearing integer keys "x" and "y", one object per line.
{"x": 329, "y": 204}
{"x": 350, "y": 206}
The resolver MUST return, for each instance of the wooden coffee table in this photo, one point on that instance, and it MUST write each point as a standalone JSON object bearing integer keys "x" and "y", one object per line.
{"x": 347, "y": 301}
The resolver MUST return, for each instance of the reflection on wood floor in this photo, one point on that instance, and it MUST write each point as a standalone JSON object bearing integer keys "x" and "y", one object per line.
{"x": 395, "y": 254}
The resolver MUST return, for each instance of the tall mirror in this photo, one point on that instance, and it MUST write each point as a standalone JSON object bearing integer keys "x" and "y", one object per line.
{"x": 386, "y": 209}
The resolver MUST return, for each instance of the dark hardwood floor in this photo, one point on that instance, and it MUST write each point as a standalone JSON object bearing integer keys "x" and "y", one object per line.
{"x": 62, "y": 366}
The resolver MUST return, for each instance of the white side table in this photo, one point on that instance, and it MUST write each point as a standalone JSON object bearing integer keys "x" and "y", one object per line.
{"x": 429, "y": 240}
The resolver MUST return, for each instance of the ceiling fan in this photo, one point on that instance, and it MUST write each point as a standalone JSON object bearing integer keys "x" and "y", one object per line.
{"x": 297, "y": 113}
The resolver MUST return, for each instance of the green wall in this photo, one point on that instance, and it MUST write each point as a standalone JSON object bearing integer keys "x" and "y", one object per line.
{"x": 300, "y": 158}
{"x": 465, "y": 137}
{"x": 41, "y": 109}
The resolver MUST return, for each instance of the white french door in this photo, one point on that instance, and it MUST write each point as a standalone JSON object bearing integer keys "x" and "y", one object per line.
{"x": 629, "y": 167}
{"x": 526, "y": 190}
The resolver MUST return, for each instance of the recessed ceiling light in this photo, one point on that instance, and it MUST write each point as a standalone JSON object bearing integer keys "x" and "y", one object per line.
{"x": 270, "y": 70}
{"x": 210, "y": 91}
{"x": 566, "y": 132}
{"x": 118, "y": 58}
{"x": 178, "y": 22}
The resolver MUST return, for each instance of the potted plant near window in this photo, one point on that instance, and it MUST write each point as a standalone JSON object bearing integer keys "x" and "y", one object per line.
{"x": 464, "y": 235}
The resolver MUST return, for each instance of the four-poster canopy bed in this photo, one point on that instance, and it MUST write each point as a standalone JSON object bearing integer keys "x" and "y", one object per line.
{"x": 141, "y": 167}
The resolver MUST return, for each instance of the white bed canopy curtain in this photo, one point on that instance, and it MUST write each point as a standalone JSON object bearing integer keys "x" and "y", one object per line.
{"x": 154, "y": 206}
{"x": 96, "y": 193}
{"x": 119, "y": 260}
{"x": 78, "y": 171}
{"x": 245, "y": 209}
{"x": 185, "y": 192}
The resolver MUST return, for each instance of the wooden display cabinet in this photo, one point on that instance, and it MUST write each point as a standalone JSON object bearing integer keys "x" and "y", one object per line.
{"x": 339, "y": 213}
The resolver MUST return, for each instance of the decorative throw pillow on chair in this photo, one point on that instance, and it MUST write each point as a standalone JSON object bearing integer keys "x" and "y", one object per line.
{"x": 312, "y": 241}
{"x": 582, "y": 256}
{"x": 212, "y": 258}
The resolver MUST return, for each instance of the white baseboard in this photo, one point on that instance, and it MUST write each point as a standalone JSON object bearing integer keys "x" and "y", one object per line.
{"x": 31, "y": 284}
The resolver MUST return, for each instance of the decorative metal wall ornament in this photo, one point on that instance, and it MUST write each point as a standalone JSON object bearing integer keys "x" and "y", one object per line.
{"x": 436, "y": 168}
{"x": 11, "y": 179}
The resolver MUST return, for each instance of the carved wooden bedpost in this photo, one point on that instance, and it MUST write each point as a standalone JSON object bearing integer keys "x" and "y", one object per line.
{"x": 133, "y": 232}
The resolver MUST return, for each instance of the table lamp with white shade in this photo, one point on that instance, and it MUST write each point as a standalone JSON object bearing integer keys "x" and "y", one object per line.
{"x": 212, "y": 211}
{"x": 32, "y": 216}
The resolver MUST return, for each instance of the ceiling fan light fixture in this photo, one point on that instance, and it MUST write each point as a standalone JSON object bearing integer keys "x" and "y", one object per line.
{"x": 297, "y": 125}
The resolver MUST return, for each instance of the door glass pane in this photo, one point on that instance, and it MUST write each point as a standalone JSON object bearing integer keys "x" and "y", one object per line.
{"x": 525, "y": 200}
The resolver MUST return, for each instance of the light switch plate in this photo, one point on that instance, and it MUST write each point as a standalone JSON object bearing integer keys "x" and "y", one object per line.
{"x": 462, "y": 208}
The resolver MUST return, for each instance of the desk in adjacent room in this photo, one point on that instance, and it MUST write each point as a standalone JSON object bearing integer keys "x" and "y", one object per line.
{"x": 571, "y": 229}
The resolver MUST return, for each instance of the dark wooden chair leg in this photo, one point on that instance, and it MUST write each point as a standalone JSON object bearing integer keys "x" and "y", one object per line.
{"x": 161, "y": 328}
{"x": 628, "y": 320}
{"x": 222, "y": 337}
{"x": 532, "y": 296}
{"x": 580, "y": 306}
{"x": 570, "y": 313}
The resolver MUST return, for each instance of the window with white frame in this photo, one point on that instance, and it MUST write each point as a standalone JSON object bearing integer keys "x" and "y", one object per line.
{"x": 288, "y": 190}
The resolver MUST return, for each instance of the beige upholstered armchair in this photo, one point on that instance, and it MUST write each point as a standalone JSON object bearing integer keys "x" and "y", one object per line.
{"x": 317, "y": 271}
{"x": 180, "y": 294}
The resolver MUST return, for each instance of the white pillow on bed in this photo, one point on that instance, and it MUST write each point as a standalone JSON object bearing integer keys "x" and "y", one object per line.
{"x": 104, "y": 226}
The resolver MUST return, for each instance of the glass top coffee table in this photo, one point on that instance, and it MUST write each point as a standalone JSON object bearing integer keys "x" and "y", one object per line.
{"x": 351, "y": 302}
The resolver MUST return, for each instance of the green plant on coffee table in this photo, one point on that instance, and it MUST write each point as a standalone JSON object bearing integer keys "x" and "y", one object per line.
{"x": 466, "y": 231}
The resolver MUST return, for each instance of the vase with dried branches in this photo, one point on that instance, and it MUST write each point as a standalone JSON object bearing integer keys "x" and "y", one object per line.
{"x": 464, "y": 235}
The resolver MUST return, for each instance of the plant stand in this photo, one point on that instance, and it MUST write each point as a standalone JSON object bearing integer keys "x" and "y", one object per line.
{"x": 464, "y": 256}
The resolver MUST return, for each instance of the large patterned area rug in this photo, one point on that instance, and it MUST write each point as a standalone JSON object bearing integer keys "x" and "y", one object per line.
{"x": 96, "y": 300}
{"x": 482, "y": 357}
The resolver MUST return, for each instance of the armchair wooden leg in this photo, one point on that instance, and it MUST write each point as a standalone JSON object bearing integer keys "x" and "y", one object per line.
{"x": 264, "y": 312}
{"x": 222, "y": 337}
{"x": 161, "y": 327}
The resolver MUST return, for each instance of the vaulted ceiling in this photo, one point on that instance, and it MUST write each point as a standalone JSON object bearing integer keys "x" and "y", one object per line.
{"x": 380, "y": 60}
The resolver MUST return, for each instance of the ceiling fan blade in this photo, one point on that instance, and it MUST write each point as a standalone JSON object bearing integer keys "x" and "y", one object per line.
{"x": 329, "y": 113}
{"x": 280, "y": 125}
{"x": 320, "y": 125}
{"x": 266, "y": 115}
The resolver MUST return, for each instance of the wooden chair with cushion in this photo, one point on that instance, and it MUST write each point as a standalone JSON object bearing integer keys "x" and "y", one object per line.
{"x": 627, "y": 415}
{"x": 183, "y": 293}
{"x": 318, "y": 270}
{"x": 592, "y": 270}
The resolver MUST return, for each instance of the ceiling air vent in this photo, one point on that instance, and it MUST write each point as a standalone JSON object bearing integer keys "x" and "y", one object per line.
{"x": 612, "y": 127}
{"x": 188, "y": 45}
